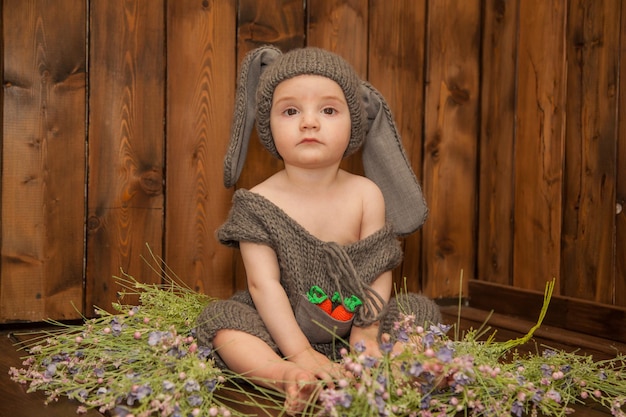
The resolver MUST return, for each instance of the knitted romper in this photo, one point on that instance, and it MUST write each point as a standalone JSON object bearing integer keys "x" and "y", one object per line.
{"x": 306, "y": 261}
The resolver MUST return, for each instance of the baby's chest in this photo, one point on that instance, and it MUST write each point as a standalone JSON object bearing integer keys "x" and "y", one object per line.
{"x": 340, "y": 224}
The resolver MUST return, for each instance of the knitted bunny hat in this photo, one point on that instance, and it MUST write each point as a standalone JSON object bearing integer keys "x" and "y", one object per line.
{"x": 384, "y": 159}
{"x": 310, "y": 61}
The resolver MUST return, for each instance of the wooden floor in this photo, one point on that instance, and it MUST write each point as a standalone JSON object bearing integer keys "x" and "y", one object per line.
{"x": 15, "y": 402}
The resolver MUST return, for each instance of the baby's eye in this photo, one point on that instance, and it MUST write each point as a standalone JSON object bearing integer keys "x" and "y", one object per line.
{"x": 329, "y": 111}
{"x": 290, "y": 112}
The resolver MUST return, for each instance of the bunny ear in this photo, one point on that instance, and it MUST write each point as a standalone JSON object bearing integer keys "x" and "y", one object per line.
{"x": 252, "y": 67}
{"x": 385, "y": 163}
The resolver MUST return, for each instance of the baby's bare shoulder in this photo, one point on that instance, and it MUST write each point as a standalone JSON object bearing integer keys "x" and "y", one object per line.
{"x": 363, "y": 186}
{"x": 372, "y": 204}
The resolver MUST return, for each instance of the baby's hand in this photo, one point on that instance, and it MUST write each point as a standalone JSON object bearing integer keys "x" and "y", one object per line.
{"x": 317, "y": 363}
{"x": 374, "y": 349}
{"x": 368, "y": 347}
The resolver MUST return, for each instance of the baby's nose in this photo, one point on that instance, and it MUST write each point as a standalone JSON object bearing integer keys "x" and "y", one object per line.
{"x": 309, "y": 120}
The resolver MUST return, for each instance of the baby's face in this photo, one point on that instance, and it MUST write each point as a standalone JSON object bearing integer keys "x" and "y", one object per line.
{"x": 310, "y": 121}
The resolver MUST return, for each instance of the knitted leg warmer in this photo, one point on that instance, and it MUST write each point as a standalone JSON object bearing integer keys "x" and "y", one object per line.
{"x": 234, "y": 315}
{"x": 425, "y": 310}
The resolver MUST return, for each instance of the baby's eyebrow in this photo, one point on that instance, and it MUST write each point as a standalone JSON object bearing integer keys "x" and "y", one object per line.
{"x": 284, "y": 98}
{"x": 330, "y": 97}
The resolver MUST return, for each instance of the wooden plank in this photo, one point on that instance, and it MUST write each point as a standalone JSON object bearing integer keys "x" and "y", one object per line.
{"x": 126, "y": 100}
{"x": 396, "y": 69}
{"x": 451, "y": 132}
{"x": 539, "y": 143}
{"x": 504, "y": 327}
{"x": 497, "y": 138}
{"x": 588, "y": 234}
{"x": 14, "y": 400}
{"x": 43, "y": 160}
{"x": 581, "y": 316}
{"x": 620, "y": 206}
{"x": 342, "y": 27}
{"x": 200, "y": 95}
{"x": 262, "y": 22}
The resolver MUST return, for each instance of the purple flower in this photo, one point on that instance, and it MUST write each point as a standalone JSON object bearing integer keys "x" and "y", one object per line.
{"x": 345, "y": 400}
{"x": 210, "y": 384}
{"x": 415, "y": 369}
{"x": 121, "y": 411}
{"x": 380, "y": 404}
{"x": 332, "y": 398}
{"x": 192, "y": 385}
{"x": 440, "y": 329}
{"x": 554, "y": 395}
{"x": 168, "y": 385}
{"x": 537, "y": 396}
{"x": 461, "y": 378}
{"x": 359, "y": 346}
{"x": 517, "y": 408}
{"x": 370, "y": 362}
{"x": 194, "y": 400}
{"x": 444, "y": 354}
{"x": 51, "y": 370}
{"x": 386, "y": 347}
{"x": 58, "y": 357}
{"x": 203, "y": 352}
{"x": 138, "y": 394}
{"x": 403, "y": 336}
{"x": 116, "y": 327}
{"x": 82, "y": 394}
{"x": 154, "y": 338}
{"x": 428, "y": 339}
{"x": 548, "y": 353}
{"x": 382, "y": 380}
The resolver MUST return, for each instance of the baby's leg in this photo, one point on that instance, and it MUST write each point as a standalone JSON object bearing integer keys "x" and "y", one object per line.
{"x": 249, "y": 356}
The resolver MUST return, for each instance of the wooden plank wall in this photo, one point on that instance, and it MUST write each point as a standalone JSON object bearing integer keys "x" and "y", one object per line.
{"x": 116, "y": 116}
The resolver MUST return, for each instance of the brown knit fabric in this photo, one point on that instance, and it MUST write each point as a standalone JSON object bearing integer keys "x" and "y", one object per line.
{"x": 304, "y": 261}
{"x": 424, "y": 310}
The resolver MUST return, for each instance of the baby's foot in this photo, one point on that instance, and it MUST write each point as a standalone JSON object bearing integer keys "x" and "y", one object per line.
{"x": 300, "y": 389}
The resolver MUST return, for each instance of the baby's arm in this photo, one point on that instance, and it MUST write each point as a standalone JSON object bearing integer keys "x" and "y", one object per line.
{"x": 373, "y": 220}
{"x": 271, "y": 302}
{"x": 369, "y": 335}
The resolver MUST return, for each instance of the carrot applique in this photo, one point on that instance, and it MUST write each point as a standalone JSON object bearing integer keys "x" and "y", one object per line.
{"x": 317, "y": 296}
{"x": 345, "y": 309}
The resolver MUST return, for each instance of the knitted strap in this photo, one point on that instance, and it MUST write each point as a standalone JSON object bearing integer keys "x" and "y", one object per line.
{"x": 342, "y": 271}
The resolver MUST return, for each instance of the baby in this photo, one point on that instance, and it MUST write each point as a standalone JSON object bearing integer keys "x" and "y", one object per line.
{"x": 310, "y": 233}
